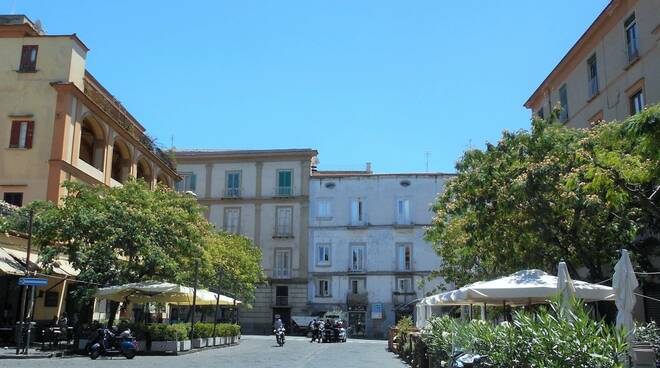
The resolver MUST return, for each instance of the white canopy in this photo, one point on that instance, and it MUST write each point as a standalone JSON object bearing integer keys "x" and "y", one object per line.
{"x": 520, "y": 288}
{"x": 163, "y": 292}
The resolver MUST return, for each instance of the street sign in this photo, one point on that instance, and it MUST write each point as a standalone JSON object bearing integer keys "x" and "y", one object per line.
{"x": 32, "y": 281}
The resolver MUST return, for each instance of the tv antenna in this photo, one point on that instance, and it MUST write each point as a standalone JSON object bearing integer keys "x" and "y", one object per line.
{"x": 427, "y": 154}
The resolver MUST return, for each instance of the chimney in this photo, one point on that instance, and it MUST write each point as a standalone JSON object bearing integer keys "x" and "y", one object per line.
{"x": 368, "y": 168}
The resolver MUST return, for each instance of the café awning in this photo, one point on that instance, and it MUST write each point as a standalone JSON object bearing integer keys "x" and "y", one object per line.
{"x": 13, "y": 261}
{"x": 162, "y": 292}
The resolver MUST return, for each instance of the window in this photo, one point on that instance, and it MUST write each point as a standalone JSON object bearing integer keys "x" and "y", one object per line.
{"x": 232, "y": 220}
{"x": 233, "y": 187}
{"x": 636, "y": 102}
{"x": 403, "y": 212}
{"x": 323, "y": 288}
{"x": 592, "y": 72}
{"x": 187, "y": 183}
{"x": 282, "y": 263}
{"x": 14, "y": 198}
{"x": 630, "y": 26}
{"x": 357, "y": 286}
{"x": 404, "y": 285}
{"x": 563, "y": 100}
{"x": 540, "y": 113}
{"x": 281, "y": 295}
{"x": 357, "y": 212}
{"x": 323, "y": 211}
{"x": 29, "y": 58}
{"x": 21, "y": 134}
{"x": 357, "y": 258}
{"x": 323, "y": 254}
{"x": 405, "y": 257}
{"x": 283, "y": 221}
{"x": 284, "y": 181}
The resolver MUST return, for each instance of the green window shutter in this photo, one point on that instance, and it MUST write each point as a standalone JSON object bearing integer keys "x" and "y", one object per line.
{"x": 193, "y": 182}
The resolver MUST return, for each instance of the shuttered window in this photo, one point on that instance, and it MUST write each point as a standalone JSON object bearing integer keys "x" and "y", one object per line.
{"x": 21, "y": 134}
{"x": 29, "y": 58}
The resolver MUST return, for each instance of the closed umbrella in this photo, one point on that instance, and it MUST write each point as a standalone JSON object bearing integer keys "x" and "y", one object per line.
{"x": 624, "y": 283}
{"x": 565, "y": 287}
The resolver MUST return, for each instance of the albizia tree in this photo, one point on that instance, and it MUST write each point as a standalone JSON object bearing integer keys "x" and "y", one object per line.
{"x": 551, "y": 193}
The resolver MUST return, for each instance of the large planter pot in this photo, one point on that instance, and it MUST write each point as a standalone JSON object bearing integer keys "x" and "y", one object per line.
{"x": 198, "y": 342}
{"x": 184, "y": 345}
{"x": 141, "y": 345}
{"x": 225, "y": 340}
{"x": 209, "y": 341}
{"x": 232, "y": 339}
{"x": 165, "y": 346}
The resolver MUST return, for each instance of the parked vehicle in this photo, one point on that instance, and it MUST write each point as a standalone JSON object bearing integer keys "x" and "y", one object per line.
{"x": 466, "y": 360}
{"x": 279, "y": 336}
{"x": 108, "y": 342}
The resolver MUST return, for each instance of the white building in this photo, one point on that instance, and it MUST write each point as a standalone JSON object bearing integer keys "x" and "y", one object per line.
{"x": 262, "y": 194}
{"x": 367, "y": 251}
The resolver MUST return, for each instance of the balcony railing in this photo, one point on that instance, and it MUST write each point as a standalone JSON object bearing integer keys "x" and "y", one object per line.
{"x": 281, "y": 301}
{"x": 284, "y": 191}
{"x": 233, "y": 192}
{"x": 282, "y": 273}
{"x": 359, "y": 298}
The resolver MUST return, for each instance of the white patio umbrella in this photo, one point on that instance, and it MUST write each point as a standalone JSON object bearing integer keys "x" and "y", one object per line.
{"x": 163, "y": 292}
{"x": 624, "y": 283}
{"x": 565, "y": 288}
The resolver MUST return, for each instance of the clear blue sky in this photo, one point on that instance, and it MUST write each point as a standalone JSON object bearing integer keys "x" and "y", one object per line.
{"x": 368, "y": 80}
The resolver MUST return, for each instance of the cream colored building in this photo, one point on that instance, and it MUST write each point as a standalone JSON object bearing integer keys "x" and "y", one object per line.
{"x": 264, "y": 195}
{"x": 57, "y": 122}
{"x": 611, "y": 72}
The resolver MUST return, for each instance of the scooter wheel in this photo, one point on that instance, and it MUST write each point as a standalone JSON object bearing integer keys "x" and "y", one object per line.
{"x": 94, "y": 354}
{"x": 129, "y": 354}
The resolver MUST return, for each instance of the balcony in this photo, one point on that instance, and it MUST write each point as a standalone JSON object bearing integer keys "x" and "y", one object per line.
{"x": 359, "y": 298}
{"x": 402, "y": 298}
{"x": 283, "y": 191}
{"x": 282, "y": 273}
{"x": 281, "y": 301}
{"x": 233, "y": 193}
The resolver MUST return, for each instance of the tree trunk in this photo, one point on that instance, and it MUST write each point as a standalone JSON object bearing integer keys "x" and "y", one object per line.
{"x": 114, "y": 306}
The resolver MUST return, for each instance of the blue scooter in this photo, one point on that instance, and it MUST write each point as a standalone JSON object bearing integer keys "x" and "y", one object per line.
{"x": 109, "y": 343}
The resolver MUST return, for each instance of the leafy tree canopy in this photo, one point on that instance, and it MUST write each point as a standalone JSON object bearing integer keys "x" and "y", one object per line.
{"x": 551, "y": 193}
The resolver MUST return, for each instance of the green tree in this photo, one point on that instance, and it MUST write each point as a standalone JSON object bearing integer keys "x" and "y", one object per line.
{"x": 547, "y": 194}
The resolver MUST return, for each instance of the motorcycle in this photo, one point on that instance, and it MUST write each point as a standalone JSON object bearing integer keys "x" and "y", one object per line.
{"x": 279, "y": 336}
{"x": 107, "y": 343}
{"x": 321, "y": 333}
{"x": 467, "y": 360}
{"x": 342, "y": 334}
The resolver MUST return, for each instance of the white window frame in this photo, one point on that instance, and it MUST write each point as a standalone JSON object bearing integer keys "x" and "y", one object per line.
{"x": 283, "y": 230}
{"x": 323, "y": 254}
{"x": 402, "y": 206}
{"x": 407, "y": 280}
{"x": 563, "y": 102}
{"x": 324, "y": 209}
{"x": 632, "y": 46}
{"x": 357, "y": 212}
{"x": 230, "y": 228}
{"x": 22, "y": 134}
{"x": 357, "y": 281}
{"x": 362, "y": 260}
{"x": 637, "y": 101}
{"x": 321, "y": 291}
{"x": 233, "y": 192}
{"x": 402, "y": 265}
{"x": 592, "y": 63}
{"x": 187, "y": 183}
{"x": 280, "y": 272}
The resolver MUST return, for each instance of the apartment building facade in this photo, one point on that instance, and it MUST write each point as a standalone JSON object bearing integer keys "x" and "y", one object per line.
{"x": 264, "y": 195}
{"x": 367, "y": 251}
{"x": 612, "y": 70}
{"x": 57, "y": 122}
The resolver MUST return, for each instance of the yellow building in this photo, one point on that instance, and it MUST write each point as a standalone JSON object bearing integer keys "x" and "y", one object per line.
{"x": 57, "y": 122}
{"x": 611, "y": 72}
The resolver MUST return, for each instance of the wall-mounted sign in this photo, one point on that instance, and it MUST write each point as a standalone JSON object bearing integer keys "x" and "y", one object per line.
{"x": 377, "y": 311}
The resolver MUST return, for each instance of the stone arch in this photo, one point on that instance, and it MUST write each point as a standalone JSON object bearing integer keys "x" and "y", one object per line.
{"x": 144, "y": 170}
{"x": 163, "y": 179}
{"x": 92, "y": 142}
{"x": 121, "y": 161}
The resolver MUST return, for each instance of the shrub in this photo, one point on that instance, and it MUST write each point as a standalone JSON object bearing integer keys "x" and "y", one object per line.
{"x": 539, "y": 340}
{"x": 227, "y": 329}
{"x": 164, "y": 332}
{"x": 649, "y": 333}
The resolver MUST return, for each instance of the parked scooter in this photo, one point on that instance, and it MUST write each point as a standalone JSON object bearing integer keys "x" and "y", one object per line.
{"x": 467, "y": 360}
{"x": 279, "y": 336}
{"x": 108, "y": 342}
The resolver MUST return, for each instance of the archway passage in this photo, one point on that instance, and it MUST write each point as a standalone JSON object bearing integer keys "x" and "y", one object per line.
{"x": 121, "y": 162}
{"x": 144, "y": 171}
{"x": 163, "y": 180}
{"x": 92, "y": 144}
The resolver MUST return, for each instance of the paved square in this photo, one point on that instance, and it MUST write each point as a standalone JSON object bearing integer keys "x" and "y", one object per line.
{"x": 254, "y": 351}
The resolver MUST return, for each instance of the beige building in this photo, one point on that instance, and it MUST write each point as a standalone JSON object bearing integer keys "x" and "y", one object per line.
{"x": 611, "y": 72}
{"x": 264, "y": 195}
{"x": 57, "y": 122}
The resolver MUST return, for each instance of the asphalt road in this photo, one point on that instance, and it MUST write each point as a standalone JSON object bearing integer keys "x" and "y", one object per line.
{"x": 253, "y": 351}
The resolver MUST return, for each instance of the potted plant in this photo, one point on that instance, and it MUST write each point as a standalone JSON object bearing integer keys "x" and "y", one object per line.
{"x": 164, "y": 338}
{"x": 200, "y": 335}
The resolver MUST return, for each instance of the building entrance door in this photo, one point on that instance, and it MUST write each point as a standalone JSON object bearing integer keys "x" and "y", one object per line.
{"x": 285, "y": 315}
{"x": 356, "y": 321}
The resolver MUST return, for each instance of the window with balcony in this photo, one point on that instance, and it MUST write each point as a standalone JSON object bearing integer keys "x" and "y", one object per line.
{"x": 323, "y": 255}
{"x": 357, "y": 285}
{"x": 282, "y": 264}
{"x": 563, "y": 101}
{"x": 405, "y": 257}
{"x": 404, "y": 285}
{"x": 284, "y": 183}
{"x": 323, "y": 288}
{"x": 403, "y": 212}
{"x": 187, "y": 183}
{"x": 233, "y": 184}
{"x": 630, "y": 25}
{"x": 637, "y": 102}
{"x": 357, "y": 212}
{"x": 592, "y": 72}
{"x": 21, "y": 134}
{"x": 232, "y": 220}
{"x": 281, "y": 295}
{"x": 13, "y": 198}
{"x": 357, "y": 258}
{"x": 323, "y": 211}
{"x": 29, "y": 59}
{"x": 283, "y": 222}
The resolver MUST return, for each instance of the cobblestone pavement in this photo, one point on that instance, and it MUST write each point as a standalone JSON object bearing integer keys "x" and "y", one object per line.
{"x": 253, "y": 351}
